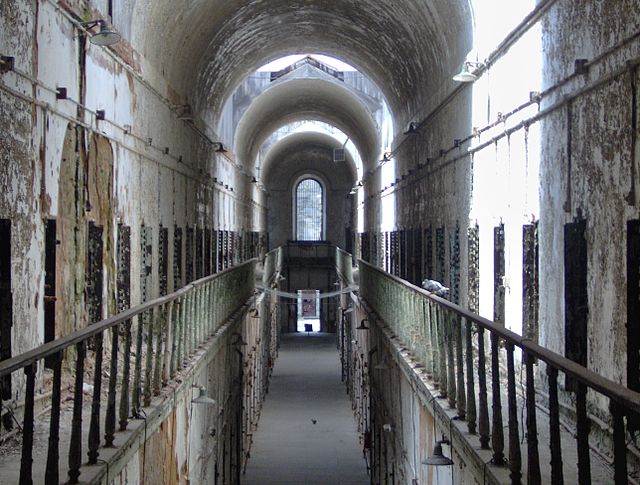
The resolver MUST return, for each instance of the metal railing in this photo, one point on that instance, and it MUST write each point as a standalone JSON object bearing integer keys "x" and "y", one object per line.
{"x": 272, "y": 264}
{"x": 158, "y": 337}
{"x": 450, "y": 342}
{"x": 344, "y": 265}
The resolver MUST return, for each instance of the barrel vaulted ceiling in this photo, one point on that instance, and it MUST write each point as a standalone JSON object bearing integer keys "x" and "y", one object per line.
{"x": 207, "y": 47}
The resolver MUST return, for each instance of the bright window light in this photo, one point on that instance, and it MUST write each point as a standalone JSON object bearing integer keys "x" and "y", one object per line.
{"x": 280, "y": 64}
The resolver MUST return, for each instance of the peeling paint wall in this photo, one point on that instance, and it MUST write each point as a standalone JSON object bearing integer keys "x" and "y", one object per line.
{"x": 589, "y": 166}
{"x": 140, "y": 165}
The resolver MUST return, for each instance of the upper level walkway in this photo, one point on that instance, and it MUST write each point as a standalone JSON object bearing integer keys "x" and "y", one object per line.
{"x": 307, "y": 434}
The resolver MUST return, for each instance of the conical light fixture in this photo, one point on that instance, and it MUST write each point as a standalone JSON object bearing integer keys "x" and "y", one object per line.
{"x": 437, "y": 458}
{"x": 465, "y": 75}
{"x": 363, "y": 325}
{"x": 105, "y": 37}
{"x": 237, "y": 340}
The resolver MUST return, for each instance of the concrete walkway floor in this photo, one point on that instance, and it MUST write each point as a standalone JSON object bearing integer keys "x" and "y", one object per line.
{"x": 307, "y": 433}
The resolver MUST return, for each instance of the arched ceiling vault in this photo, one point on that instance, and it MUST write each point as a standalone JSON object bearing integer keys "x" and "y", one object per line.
{"x": 299, "y": 142}
{"x": 306, "y": 99}
{"x": 407, "y": 47}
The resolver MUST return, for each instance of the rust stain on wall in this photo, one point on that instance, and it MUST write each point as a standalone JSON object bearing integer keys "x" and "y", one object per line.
{"x": 70, "y": 259}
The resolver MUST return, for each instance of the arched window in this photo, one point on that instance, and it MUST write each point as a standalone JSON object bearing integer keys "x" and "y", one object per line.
{"x": 309, "y": 210}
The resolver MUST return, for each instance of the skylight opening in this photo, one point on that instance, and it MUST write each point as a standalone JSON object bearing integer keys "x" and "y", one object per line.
{"x": 286, "y": 61}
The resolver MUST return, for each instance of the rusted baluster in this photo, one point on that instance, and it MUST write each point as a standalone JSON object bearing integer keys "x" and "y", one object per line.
{"x": 26, "y": 462}
{"x": 554, "y": 428}
{"x": 533, "y": 459}
{"x": 430, "y": 339}
{"x": 619, "y": 444}
{"x": 423, "y": 344}
{"x": 204, "y": 310}
{"x": 442, "y": 353}
{"x": 148, "y": 367}
{"x": 94, "y": 423}
{"x": 137, "y": 370}
{"x": 435, "y": 343}
{"x": 451, "y": 367}
{"x": 172, "y": 343}
{"x": 126, "y": 368}
{"x": 461, "y": 397}
{"x": 584, "y": 460}
{"x": 471, "y": 388}
{"x": 483, "y": 407}
{"x": 497, "y": 433}
{"x": 195, "y": 318}
{"x": 191, "y": 322}
{"x": 180, "y": 302}
{"x": 159, "y": 325}
{"x": 216, "y": 305}
{"x": 515, "y": 457}
{"x": 185, "y": 328}
{"x": 209, "y": 308}
{"x": 212, "y": 302}
{"x": 110, "y": 418}
{"x": 75, "y": 445}
{"x": 53, "y": 454}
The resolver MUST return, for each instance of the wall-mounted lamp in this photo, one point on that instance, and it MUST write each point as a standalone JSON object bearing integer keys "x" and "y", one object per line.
{"x": 184, "y": 112}
{"x": 581, "y": 66}
{"x": 412, "y": 128}
{"x": 363, "y": 325}
{"x": 105, "y": 37}
{"x": 220, "y": 147}
{"x": 203, "y": 397}
{"x": 237, "y": 340}
{"x": 437, "y": 458}
{"x": 467, "y": 73}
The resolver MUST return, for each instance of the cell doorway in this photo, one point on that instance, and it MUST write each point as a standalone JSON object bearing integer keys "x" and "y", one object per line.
{"x": 308, "y": 311}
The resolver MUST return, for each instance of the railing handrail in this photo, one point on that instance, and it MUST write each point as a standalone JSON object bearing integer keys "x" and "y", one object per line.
{"x": 617, "y": 392}
{"x": 55, "y": 346}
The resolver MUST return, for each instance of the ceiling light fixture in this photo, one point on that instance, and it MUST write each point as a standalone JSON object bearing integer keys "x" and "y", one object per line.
{"x": 466, "y": 75}
{"x": 105, "y": 37}
{"x": 437, "y": 458}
